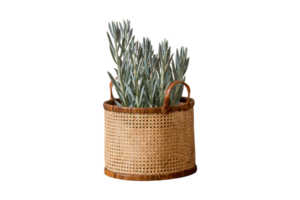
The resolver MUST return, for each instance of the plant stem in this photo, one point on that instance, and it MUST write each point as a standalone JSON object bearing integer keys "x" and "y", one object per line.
{"x": 136, "y": 86}
{"x": 162, "y": 83}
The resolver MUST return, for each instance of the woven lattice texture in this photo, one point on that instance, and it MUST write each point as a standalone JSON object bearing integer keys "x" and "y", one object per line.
{"x": 149, "y": 144}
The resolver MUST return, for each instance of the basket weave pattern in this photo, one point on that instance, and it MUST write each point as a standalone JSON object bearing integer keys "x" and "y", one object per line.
{"x": 149, "y": 144}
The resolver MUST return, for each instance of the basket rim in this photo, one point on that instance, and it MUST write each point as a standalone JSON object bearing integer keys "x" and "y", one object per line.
{"x": 110, "y": 105}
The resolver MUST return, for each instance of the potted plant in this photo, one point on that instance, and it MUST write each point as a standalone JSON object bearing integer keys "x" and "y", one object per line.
{"x": 149, "y": 129}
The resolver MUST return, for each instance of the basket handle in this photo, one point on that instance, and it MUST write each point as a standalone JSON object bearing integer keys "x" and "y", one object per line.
{"x": 110, "y": 88}
{"x": 166, "y": 107}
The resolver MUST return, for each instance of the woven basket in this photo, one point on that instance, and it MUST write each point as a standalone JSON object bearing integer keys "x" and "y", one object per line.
{"x": 150, "y": 143}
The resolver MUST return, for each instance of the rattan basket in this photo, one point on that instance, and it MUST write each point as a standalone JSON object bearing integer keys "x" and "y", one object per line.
{"x": 150, "y": 143}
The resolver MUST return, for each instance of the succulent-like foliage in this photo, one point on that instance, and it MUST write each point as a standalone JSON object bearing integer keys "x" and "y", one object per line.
{"x": 143, "y": 76}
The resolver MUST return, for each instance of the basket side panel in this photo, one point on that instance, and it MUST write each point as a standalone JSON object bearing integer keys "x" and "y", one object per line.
{"x": 149, "y": 143}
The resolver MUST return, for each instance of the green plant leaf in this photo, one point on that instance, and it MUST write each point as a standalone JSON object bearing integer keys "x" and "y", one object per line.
{"x": 111, "y": 29}
{"x": 142, "y": 93}
{"x": 166, "y": 76}
{"x": 115, "y": 85}
{"x": 114, "y": 82}
{"x": 122, "y": 29}
{"x": 118, "y": 103}
{"x": 115, "y": 71}
{"x": 141, "y": 81}
{"x": 154, "y": 90}
{"x": 147, "y": 99}
{"x": 111, "y": 47}
{"x": 129, "y": 90}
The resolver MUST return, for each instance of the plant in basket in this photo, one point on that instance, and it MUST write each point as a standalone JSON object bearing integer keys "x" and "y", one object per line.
{"x": 142, "y": 73}
{"x": 149, "y": 129}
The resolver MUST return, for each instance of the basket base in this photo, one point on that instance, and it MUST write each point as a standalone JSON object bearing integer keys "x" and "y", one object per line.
{"x": 133, "y": 177}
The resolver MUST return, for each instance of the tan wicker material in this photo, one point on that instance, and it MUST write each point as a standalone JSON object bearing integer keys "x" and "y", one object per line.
{"x": 149, "y": 144}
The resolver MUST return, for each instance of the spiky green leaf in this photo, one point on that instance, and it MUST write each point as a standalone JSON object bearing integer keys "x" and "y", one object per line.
{"x": 118, "y": 103}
